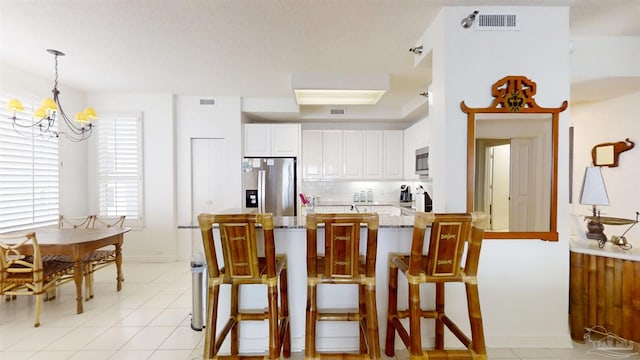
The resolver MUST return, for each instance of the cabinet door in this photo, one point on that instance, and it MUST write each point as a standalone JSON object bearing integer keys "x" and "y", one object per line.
{"x": 352, "y": 154}
{"x": 393, "y": 151}
{"x": 332, "y": 154}
{"x": 372, "y": 154}
{"x": 284, "y": 141}
{"x": 257, "y": 140}
{"x": 312, "y": 154}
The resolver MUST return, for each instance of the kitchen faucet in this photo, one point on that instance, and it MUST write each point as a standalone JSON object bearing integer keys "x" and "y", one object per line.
{"x": 354, "y": 207}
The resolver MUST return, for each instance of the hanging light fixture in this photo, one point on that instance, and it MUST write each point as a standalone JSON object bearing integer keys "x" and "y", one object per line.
{"x": 44, "y": 118}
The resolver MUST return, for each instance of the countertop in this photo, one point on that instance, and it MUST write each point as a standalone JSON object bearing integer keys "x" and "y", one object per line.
{"x": 590, "y": 247}
{"x": 298, "y": 222}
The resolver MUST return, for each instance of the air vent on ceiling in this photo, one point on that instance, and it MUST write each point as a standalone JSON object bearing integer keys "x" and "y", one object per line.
{"x": 498, "y": 22}
{"x": 337, "y": 112}
{"x": 207, "y": 101}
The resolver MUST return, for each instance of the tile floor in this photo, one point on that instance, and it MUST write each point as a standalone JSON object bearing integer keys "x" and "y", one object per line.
{"x": 149, "y": 319}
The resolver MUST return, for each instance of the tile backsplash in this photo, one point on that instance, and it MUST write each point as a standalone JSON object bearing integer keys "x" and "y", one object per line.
{"x": 342, "y": 191}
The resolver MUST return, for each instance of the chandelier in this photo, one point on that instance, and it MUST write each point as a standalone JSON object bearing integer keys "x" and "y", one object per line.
{"x": 45, "y": 117}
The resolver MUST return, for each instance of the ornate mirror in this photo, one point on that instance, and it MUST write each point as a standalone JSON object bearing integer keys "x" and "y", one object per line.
{"x": 512, "y": 162}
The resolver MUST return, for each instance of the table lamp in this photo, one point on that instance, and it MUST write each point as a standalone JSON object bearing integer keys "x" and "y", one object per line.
{"x": 594, "y": 193}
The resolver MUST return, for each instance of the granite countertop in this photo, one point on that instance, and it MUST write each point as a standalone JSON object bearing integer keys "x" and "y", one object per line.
{"x": 298, "y": 222}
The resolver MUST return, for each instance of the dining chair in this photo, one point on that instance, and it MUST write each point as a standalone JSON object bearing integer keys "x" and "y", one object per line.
{"x": 22, "y": 271}
{"x": 342, "y": 264}
{"x": 100, "y": 258}
{"x": 442, "y": 264}
{"x": 244, "y": 266}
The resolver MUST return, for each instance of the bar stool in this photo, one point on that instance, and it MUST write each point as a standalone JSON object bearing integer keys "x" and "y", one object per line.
{"x": 441, "y": 265}
{"x": 243, "y": 266}
{"x": 343, "y": 264}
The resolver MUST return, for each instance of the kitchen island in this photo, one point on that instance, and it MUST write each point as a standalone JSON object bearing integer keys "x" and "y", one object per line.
{"x": 394, "y": 235}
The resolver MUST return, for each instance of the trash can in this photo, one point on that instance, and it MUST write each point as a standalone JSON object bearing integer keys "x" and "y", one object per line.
{"x": 197, "y": 296}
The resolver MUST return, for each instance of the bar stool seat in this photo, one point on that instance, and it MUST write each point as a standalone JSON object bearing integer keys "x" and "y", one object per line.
{"x": 441, "y": 265}
{"x": 342, "y": 263}
{"x": 243, "y": 266}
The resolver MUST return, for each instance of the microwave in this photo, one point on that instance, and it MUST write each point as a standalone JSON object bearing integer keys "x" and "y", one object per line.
{"x": 422, "y": 161}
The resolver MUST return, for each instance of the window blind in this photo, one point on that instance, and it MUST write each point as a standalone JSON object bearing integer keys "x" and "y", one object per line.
{"x": 120, "y": 166}
{"x": 28, "y": 173}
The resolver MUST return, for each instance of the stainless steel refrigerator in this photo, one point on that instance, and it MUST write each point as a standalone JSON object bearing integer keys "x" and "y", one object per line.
{"x": 269, "y": 185}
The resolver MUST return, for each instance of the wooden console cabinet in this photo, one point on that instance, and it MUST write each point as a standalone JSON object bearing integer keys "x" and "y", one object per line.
{"x": 604, "y": 290}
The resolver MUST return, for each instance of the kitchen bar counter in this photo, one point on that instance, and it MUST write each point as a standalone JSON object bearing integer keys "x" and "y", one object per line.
{"x": 298, "y": 222}
{"x": 394, "y": 235}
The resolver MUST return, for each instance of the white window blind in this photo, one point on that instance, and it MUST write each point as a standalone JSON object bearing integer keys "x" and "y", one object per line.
{"x": 120, "y": 167}
{"x": 28, "y": 172}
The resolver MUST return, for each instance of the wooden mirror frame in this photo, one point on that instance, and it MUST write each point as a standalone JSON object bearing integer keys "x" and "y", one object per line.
{"x": 514, "y": 95}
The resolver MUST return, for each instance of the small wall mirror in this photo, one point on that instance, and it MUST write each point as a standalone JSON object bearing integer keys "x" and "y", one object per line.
{"x": 512, "y": 151}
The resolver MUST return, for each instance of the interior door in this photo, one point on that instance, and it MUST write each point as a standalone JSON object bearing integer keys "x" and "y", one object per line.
{"x": 523, "y": 189}
{"x": 499, "y": 187}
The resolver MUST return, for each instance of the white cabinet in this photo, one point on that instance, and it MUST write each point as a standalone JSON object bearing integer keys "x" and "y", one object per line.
{"x": 372, "y": 157}
{"x": 271, "y": 140}
{"x": 352, "y": 154}
{"x": 393, "y": 154}
{"x": 312, "y": 155}
{"x": 332, "y": 154}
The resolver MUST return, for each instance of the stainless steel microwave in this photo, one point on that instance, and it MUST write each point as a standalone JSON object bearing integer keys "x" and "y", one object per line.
{"x": 422, "y": 161}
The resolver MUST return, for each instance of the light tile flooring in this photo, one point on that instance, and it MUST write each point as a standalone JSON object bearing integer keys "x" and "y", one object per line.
{"x": 149, "y": 319}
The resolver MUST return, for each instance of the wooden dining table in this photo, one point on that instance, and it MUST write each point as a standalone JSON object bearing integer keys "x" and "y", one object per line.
{"x": 77, "y": 243}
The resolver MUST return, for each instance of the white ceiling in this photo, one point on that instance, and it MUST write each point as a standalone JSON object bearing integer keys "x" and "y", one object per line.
{"x": 251, "y": 48}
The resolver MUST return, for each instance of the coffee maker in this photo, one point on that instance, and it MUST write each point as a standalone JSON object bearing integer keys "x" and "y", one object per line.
{"x": 405, "y": 193}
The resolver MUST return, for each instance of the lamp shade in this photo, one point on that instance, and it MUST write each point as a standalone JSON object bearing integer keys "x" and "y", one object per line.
{"x": 593, "y": 189}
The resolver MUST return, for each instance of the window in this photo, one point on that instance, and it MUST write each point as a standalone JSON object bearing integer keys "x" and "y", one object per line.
{"x": 119, "y": 166}
{"x": 28, "y": 173}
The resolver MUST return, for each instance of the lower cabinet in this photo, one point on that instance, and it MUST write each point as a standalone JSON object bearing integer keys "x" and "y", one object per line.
{"x": 604, "y": 291}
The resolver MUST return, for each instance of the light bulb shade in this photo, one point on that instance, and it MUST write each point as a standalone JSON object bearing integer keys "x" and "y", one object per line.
{"x": 593, "y": 190}
{"x": 15, "y": 105}
{"x": 82, "y": 117}
{"x": 49, "y": 104}
{"x": 90, "y": 113}
{"x": 40, "y": 113}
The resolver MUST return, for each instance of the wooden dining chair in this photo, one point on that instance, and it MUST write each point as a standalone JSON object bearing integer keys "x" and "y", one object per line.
{"x": 100, "y": 258}
{"x": 342, "y": 263}
{"x": 244, "y": 266}
{"x": 96, "y": 259}
{"x": 22, "y": 271}
{"x": 441, "y": 265}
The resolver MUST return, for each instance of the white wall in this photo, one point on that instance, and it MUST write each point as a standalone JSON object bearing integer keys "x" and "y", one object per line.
{"x": 602, "y": 122}
{"x": 157, "y": 240}
{"x": 223, "y": 121}
{"x": 523, "y": 283}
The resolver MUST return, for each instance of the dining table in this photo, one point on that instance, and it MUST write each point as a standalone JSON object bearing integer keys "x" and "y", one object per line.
{"x": 77, "y": 243}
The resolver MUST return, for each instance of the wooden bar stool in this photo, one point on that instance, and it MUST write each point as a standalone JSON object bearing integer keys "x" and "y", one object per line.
{"x": 243, "y": 266}
{"x": 441, "y": 265}
{"x": 342, "y": 264}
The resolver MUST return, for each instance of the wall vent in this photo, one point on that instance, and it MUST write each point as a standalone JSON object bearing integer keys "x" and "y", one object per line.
{"x": 207, "y": 101}
{"x": 498, "y": 22}
{"x": 338, "y": 112}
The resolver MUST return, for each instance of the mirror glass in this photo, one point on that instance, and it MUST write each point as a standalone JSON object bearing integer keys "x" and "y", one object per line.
{"x": 513, "y": 171}
{"x": 512, "y": 162}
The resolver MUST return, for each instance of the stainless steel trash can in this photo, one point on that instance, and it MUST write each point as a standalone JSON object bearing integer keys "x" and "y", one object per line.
{"x": 198, "y": 294}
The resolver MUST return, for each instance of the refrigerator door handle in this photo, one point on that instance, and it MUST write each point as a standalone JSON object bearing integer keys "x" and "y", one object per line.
{"x": 261, "y": 188}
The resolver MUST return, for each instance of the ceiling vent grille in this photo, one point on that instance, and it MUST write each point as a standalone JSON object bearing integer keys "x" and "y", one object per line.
{"x": 498, "y": 22}
{"x": 337, "y": 112}
{"x": 207, "y": 101}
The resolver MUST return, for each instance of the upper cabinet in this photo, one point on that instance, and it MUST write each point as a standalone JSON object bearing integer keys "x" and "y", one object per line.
{"x": 278, "y": 140}
{"x": 352, "y": 154}
{"x": 393, "y": 150}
